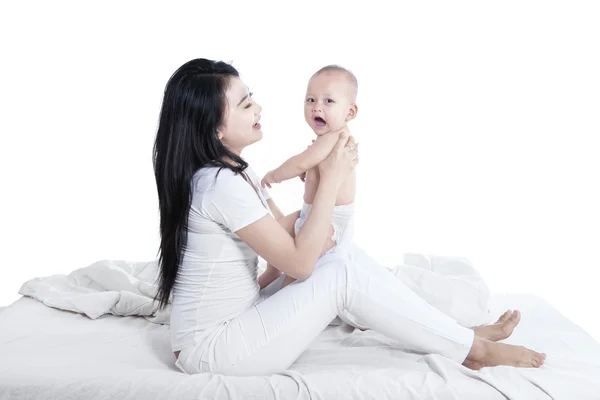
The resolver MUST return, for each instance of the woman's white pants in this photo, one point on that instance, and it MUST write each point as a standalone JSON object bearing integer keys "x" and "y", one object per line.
{"x": 271, "y": 335}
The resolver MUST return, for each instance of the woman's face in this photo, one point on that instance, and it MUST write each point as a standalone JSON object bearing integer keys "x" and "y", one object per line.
{"x": 240, "y": 124}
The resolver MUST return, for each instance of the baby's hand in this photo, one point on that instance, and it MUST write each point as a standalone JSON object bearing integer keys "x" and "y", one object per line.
{"x": 268, "y": 180}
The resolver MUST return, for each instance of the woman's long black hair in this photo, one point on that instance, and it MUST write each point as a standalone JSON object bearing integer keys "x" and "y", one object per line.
{"x": 193, "y": 107}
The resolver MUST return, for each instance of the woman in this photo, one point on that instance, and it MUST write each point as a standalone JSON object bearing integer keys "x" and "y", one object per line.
{"x": 215, "y": 220}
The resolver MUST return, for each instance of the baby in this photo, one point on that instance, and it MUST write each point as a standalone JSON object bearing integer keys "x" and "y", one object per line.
{"x": 329, "y": 105}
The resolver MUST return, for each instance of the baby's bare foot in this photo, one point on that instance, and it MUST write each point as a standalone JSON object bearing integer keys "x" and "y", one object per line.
{"x": 486, "y": 353}
{"x": 502, "y": 329}
{"x": 286, "y": 281}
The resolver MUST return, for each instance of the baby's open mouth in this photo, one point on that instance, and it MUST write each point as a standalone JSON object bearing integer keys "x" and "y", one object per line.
{"x": 320, "y": 122}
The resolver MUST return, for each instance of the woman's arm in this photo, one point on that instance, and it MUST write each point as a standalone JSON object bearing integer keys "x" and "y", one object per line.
{"x": 272, "y": 273}
{"x": 294, "y": 256}
{"x": 297, "y": 256}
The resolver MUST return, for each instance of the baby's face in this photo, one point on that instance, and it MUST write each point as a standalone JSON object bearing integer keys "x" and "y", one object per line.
{"x": 329, "y": 102}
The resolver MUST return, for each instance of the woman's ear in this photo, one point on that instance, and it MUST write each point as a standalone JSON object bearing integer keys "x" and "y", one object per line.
{"x": 352, "y": 112}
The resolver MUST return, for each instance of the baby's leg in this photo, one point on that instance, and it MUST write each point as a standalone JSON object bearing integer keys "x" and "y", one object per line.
{"x": 288, "y": 222}
{"x": 286, "y": 281}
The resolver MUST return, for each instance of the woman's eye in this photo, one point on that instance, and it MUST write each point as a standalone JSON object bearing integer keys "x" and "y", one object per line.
{"x": 250, "y": 94}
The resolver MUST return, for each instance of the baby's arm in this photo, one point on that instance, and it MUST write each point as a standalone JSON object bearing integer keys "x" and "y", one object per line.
{"x": 304, "y": 161}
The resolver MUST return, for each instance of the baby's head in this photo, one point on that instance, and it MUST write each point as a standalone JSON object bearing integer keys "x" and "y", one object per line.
{"x": 330, "y": 99}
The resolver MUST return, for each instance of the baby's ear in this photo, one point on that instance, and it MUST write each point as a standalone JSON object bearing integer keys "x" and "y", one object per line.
{"x": 352, "y": 112}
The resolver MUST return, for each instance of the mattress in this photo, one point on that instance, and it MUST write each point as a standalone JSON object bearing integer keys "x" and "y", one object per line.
{"x": 46, "y": 353}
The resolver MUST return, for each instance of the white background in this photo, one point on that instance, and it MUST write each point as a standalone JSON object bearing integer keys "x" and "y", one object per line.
{"x": 478, "y": 124}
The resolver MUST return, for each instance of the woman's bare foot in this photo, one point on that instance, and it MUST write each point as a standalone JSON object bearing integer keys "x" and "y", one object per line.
{"x": 485, "y": 353}
{"x": 502, "y": 329}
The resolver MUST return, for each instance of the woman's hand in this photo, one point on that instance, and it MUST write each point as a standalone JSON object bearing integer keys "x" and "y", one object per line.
{"x": 342, "y": 159}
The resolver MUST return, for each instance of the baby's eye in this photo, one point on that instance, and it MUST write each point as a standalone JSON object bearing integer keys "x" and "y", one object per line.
{"x": 329, "y": 101}
{"x": 310, "y": 100}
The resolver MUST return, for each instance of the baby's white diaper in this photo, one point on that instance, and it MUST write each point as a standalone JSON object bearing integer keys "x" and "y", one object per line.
{"x": 342, "y": 221}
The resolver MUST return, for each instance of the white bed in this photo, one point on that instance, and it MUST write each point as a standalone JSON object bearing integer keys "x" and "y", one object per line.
{"x": 49, "y": 353}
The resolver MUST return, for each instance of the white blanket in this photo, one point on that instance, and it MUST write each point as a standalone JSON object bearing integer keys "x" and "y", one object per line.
{"x": 105, "y": 287}
{"x": 46, "y": 353}
{"x": 128, "y": 288}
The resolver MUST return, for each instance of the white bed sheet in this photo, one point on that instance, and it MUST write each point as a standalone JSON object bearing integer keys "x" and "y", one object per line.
{"x": 47, "y": 353}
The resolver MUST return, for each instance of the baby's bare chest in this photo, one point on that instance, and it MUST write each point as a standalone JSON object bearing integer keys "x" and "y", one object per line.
{"x": 345, "y": 195}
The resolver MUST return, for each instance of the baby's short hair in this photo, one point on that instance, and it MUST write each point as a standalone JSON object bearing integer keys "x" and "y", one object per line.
{"x": 351, "y": 78}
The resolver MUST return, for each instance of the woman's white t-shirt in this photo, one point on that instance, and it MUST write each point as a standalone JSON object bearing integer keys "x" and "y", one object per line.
{"x": 217, "y": 278}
